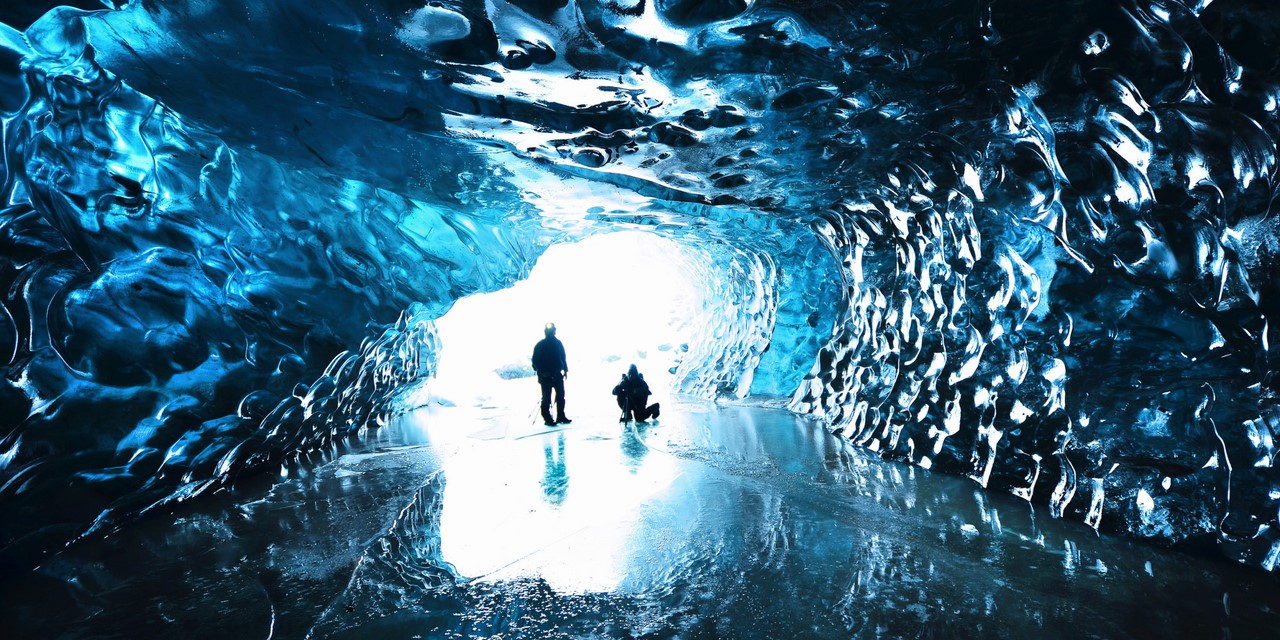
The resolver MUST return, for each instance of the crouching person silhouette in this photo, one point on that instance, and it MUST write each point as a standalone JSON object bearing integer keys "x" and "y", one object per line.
{"x": 549, "y": 363}
{"x": 633, "y": 394}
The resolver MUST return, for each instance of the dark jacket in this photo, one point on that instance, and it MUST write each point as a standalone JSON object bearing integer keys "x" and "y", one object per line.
{"x": 633, "y": 388}
{"x": 548, "y": 357}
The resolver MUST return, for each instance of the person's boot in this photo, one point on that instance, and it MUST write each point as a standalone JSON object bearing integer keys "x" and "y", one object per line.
{"x": 654, "y": 416}
{"x": 546, "y": 419}
{"x": 563, "y": 420}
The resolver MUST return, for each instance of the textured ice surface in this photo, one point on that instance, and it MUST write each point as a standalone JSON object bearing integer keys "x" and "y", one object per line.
{"x": 1029, "y": 243}
{"x": 713, "y": 522}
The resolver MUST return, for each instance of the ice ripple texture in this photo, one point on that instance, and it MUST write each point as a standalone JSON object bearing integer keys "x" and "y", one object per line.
{"x": 1028, "y": 243}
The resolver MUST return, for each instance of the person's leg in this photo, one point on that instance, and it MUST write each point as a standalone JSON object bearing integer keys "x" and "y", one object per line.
{"x": 560, "y": 417}
{"x": 652, "y": 410}
{"x": 645, "y": 408}
{"x": 546, "y": 400}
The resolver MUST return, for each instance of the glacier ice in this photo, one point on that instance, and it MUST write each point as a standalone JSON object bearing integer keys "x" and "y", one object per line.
{"x": 1029, "y": 244}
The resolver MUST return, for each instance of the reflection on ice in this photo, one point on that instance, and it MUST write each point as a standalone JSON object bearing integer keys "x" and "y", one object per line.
{"x": 559, "y": 506}
{"x": 749, "y": 523}
{"x": 714, "y": 522}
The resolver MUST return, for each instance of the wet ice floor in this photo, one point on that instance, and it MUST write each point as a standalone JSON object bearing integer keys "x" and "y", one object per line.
{"x": 713, "y": 522}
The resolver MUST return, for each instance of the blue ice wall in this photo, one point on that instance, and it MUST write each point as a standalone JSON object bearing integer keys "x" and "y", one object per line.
{"x": 1031, "y": 243}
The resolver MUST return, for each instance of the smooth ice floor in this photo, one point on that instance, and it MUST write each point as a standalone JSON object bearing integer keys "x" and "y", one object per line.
{"x": 713, "y": 522}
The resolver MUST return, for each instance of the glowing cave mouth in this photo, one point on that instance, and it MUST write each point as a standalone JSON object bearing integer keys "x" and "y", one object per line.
{"x": 616, "y": 299}
{"x": 697, "y": 319}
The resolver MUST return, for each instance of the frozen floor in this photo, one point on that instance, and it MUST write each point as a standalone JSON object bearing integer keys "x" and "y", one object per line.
{"x": 713, "y": 522}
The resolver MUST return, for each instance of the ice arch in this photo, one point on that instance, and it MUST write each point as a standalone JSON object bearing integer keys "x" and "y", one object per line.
{"x": 1030, "y": 245}
{"x": 699, "y": 319}
{"x": 616, "y": 298}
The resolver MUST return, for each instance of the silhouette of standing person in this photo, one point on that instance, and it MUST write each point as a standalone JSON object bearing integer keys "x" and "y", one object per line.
{"x": 549, "y": 363}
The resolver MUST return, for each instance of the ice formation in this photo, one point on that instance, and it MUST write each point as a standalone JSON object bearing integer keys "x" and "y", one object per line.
{"x": 1029, "y": 242}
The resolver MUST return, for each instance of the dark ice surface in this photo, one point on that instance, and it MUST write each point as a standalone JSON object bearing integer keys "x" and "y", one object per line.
{"x": 712, "y": 522}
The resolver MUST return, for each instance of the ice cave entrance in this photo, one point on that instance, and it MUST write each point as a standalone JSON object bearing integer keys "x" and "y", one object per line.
{"x": 616, "y": 299}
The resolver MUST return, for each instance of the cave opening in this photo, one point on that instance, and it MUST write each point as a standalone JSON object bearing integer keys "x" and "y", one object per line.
{"x": 617, "y": 299}
{"x": 996, "y": 268}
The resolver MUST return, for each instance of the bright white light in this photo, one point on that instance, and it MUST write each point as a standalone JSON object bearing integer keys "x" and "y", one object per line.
{"x": 615, "y": 299}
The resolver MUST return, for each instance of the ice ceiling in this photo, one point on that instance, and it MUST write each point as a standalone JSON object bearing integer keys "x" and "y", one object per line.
{"x": 1027, "y": 242}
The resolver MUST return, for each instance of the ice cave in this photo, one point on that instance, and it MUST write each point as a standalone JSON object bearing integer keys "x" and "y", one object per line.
{"x": 959, "y": 312}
